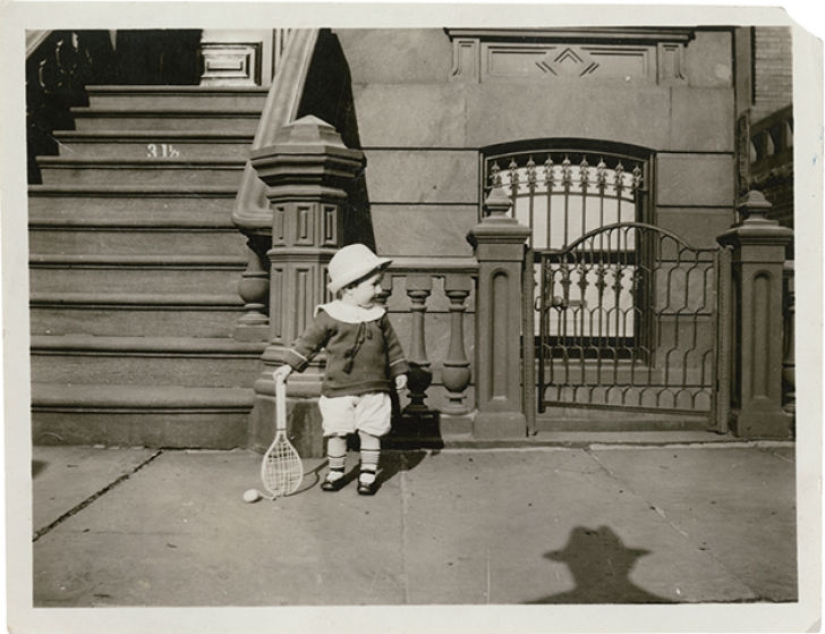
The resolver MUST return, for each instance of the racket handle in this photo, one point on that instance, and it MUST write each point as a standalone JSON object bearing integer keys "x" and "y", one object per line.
{"x": 280, "y": 403}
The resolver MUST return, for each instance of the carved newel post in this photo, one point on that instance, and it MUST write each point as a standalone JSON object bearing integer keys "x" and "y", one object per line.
{"x": 758, "y": 260}
{"x": 308, "y": 172}
{"x": 499, "y": 243}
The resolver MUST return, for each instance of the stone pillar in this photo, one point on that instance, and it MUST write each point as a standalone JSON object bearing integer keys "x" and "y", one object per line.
{"x": 758, "y": 260}
{"x": 307, "y": 171}
{"x": 499, "y": 243}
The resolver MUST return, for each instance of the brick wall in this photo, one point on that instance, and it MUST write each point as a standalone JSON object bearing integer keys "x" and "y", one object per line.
{"x": 773, "y": 71}
{"x": 773, "y": 90}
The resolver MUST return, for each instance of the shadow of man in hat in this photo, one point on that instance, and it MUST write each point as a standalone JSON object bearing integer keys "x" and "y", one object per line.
{"x": 600, "y": 564}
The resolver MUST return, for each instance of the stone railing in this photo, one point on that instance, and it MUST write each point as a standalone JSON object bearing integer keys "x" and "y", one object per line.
{"x": 771, "y": 141}
{"x": 432, "y": 304}
{"x": 767, "y": 161}
{"x": 59, "y": 66}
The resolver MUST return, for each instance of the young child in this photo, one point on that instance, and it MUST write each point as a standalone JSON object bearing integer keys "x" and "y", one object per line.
{"x": 364, "y": 362}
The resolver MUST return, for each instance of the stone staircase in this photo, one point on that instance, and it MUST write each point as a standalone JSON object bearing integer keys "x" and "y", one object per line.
{"x": 134, "y": 264}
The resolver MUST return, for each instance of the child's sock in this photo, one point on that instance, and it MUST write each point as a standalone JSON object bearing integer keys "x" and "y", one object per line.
{"x": 337, "y": 455}
{"x": 370, "y": 454}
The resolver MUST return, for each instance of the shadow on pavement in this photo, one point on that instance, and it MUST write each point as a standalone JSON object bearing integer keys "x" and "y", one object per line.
{"x": 600, "y": 564}
{"x": 393, "y": 462}
{"x": 311, "y": 478}
{"x": 38, "y": 466}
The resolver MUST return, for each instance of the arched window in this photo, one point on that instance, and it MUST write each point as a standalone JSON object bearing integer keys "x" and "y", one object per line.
{"x": 562, "y": 191}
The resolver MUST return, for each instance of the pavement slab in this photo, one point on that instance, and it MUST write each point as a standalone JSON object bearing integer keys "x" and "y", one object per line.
{"x": 179, "y": 534}
{"x": 738, "y": 504}
{"x": 65, "y": 477}
{"x": 640, "y": 525}
{"x": 536, "y": 527}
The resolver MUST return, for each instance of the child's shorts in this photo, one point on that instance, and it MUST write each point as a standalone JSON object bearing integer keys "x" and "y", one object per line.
{"x": 344, "y": 415}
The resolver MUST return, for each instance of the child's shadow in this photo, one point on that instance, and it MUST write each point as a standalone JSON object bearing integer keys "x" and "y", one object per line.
{"x": 394, "y": 462}
{"x": 412, "y": 430}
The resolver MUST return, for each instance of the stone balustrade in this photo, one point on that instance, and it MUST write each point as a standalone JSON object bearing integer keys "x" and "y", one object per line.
{"x": 431, "y": 303}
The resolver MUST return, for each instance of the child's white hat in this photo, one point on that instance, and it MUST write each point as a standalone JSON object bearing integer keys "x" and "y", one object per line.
{"x": 352, "y": 263}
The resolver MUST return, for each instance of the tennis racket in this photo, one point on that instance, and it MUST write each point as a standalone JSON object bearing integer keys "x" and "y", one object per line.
{"x": 281, "y": 469}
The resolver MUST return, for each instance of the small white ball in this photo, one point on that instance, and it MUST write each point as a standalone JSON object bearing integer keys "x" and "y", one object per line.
{"x": 251, "y": 495}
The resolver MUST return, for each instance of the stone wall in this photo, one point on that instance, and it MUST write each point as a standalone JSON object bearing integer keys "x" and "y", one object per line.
{"x": 426, "y": 112}
{"x": 429, "y": 103}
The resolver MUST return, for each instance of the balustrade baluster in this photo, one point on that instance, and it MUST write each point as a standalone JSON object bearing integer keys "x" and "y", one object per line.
{"x": 253, "y": 288}
{"x": 419, "y": 288}
{"x": 386, "y": 290}
{"x": 456, "y": 372}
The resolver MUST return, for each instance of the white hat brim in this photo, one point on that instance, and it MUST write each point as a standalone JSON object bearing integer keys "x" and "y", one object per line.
{"x": 355, "y": 274}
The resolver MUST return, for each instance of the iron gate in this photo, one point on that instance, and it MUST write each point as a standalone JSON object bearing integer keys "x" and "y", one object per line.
{"x": 627, "y": 318}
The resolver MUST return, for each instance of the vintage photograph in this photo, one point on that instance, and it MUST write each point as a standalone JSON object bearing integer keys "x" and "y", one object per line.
{"x": 341, "y": 319}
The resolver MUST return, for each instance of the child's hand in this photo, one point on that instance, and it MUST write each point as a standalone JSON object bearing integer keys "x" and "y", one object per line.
{"x": 400, "y": 382}
{"x": 282, "y": 373}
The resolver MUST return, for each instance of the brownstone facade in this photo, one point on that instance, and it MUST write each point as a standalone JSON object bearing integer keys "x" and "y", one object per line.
{"x": 658, "y": 126}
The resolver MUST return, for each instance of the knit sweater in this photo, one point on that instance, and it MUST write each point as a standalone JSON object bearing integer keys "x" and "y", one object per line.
{"x": 363, "y": 351}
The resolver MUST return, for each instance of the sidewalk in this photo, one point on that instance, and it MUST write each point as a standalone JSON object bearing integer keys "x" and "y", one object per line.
{"x": 598, "y": 524}
{"x": 592, "y": 524}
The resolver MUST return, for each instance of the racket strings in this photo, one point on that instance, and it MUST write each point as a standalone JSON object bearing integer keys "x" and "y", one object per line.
{"x": 282, "y": 468}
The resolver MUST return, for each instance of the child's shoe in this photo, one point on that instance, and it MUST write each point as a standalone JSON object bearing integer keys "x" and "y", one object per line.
{"x": 334, "y": 481}
{"x": 367, "y": 484}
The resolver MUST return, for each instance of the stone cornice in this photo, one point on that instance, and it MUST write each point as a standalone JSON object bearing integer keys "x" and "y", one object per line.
{"x": 607, "y": 34}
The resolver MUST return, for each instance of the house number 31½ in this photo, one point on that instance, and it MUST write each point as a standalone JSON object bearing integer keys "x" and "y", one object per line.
{"x": 162, "y": 150}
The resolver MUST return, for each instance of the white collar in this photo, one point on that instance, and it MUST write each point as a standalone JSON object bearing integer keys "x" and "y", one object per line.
{"x": 351, "y": 314}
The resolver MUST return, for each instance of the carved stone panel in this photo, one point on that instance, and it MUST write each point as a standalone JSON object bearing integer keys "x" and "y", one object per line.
{"x": 651, "y": 57}
{"x": 226, "y": 64}
{"x": 567, "y": 61}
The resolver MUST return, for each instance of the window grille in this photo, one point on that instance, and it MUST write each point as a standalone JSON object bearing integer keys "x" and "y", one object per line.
{"x": 562, "y": 195}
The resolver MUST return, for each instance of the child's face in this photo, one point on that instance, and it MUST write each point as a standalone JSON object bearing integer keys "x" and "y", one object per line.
{"x": 364, "y": 293}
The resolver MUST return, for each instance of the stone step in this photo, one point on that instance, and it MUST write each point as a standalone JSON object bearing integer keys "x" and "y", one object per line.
{"x": 191, "y": 98}
{"x": 101, "y": 204}
{"x": 130, "y": 240}
{"x": 148, "y": 144}
{"x": 180, "y": 361}
{"x": 137, "y": 415}
{"x": 135, "y": 274}
{"x": 242, "y": 122}
{"x": 618, "y": 420}
{"x": 135, "y": 314}
{"x": 134, "y": 269}
{"x": 135, "y": 172}
{"x": 131, "y": 97}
